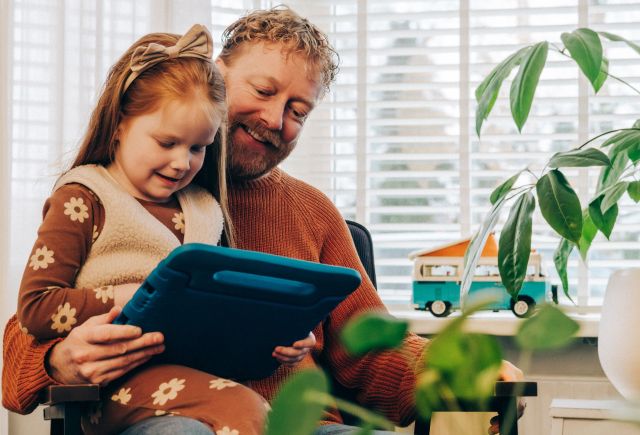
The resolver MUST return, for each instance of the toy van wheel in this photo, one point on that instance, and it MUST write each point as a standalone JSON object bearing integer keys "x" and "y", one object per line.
{"x": 524, "y": 307}
{"x": 440, "y": 308}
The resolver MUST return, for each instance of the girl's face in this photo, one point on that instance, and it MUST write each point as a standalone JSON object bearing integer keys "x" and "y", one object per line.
{"x": 160, "y": 152}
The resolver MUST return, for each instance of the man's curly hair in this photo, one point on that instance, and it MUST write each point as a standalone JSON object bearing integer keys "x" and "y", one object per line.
{"x": 283, "y": 26}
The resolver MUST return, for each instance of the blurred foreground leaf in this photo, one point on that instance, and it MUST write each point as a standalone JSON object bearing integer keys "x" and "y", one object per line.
{"x": 549, "y": 329}
{"x": 458, "y": 366}
{"x": 294, "y": 405}
{"x": 373, "y": 331}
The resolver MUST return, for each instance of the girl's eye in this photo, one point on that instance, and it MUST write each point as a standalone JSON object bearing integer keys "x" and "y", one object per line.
{"x": 197, "y": 149}
{"x": 165, "y": 144}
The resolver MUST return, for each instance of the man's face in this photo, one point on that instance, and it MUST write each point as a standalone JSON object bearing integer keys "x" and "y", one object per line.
{"x": 269, "y": 95}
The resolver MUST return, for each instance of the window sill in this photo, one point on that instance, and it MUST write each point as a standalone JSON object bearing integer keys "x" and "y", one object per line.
{"x": 503, "y": 323}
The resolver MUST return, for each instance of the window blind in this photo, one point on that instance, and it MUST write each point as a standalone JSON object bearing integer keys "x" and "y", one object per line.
{"x": 60, "y": 53}
{"x": 394, "y": 144}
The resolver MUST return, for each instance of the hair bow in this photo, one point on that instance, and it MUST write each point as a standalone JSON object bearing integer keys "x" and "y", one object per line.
{"x": 197, "y": 42}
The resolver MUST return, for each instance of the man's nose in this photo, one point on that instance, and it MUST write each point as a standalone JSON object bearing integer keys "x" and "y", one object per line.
{"x": 272, "y": 114}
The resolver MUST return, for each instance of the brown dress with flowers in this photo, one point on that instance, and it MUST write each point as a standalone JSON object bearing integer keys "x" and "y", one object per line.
{"x": 50, "y": 306}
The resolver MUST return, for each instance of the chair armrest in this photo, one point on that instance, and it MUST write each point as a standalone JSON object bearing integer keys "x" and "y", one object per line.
{"x": 504, "y": 401}
{"x": 54, "y": 394}
{"x": 519, "y": 389}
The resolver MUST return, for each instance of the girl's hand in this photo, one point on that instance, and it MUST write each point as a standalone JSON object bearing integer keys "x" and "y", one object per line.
{"x": 290, "y": 356}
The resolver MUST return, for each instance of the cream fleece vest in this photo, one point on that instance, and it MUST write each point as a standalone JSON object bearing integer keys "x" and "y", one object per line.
{"x": 133, "y": 241}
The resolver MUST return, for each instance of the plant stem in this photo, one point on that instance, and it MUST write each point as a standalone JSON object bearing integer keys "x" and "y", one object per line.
{"x": 521, "y": 189}
{"x": 531, "y": 172}
{"x": 604, "y": 134}
{"x": 623, "y": 82}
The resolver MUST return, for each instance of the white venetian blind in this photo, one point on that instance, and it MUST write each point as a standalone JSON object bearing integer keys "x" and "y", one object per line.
{"x": 59, "y": 52}
{"x": 394, "y": 144}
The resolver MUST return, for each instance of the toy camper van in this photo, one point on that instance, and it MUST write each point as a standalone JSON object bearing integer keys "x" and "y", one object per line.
{"x": 437, "y": 274}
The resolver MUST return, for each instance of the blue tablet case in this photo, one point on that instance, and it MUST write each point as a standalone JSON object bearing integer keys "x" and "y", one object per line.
{"x": 224, "y": 310}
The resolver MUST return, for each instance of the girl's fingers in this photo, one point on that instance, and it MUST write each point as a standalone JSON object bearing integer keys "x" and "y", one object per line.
{"x": 309, "y": 342}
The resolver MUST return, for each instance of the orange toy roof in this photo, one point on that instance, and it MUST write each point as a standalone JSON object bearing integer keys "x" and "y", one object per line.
{"x": 457, "y": 249}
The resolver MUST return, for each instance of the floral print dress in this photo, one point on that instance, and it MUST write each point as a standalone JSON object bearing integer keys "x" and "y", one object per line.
{"x": 50, "y": 306}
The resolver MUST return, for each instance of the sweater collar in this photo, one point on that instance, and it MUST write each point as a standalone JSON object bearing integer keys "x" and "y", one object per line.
{"x": 268, "y": 181}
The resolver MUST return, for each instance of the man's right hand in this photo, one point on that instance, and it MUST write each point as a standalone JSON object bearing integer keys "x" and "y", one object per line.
{"x": 98, "y": 352}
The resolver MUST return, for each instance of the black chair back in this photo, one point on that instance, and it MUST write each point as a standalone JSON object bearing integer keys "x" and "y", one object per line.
{"x": 364, "y": 245}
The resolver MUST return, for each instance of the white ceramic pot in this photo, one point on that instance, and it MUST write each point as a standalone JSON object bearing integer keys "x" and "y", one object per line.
{"x": 619, "y": 334}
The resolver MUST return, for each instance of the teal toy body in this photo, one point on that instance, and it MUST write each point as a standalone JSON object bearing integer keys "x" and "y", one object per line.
{"x": 437, "y": 276}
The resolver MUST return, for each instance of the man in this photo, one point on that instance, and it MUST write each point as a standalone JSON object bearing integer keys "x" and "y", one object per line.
{"x": 276, "y": 67}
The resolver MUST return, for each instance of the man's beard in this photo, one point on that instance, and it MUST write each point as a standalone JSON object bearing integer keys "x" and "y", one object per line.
{"x": 247, "y": 164}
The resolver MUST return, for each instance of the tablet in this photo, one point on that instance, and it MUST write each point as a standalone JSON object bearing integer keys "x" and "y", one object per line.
{"x": 224, "y": 310}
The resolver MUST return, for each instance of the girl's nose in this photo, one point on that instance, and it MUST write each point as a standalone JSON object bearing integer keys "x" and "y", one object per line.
{"x": 181, "y": 160}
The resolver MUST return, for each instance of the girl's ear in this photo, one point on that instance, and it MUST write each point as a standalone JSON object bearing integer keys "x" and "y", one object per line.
{"x": 119, "y": 128}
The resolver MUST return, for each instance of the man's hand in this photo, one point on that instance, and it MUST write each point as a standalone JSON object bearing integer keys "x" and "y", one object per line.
{"x": 98, "y": 352}
{"x": 511, "y": 373}
{"x": 290, "y": 356}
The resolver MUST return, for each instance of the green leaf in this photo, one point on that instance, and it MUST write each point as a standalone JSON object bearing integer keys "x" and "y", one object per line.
{"x": 579, "y": 158}
{"x": 634, "y": 152}
{"x": 294, "y": 407}
{"x": 504, "y": 188}
{"x": 560, "y": 205}
{"x": 487, "y": 92}
{"x": 460, "y": 358}
{"x": 622, "y": 140}
{"x": 612, "y": 195}
{"x": 611, "y": 174}
{"x": 616, "y": 38}
{"x": 472, "y": 254}
{"x": 589, "y": 231}
{"x": 524, "y": 85}
{"x": 560, "y": 259}
{"x": 428, "y": 397}
{"x": 634, "y": 190}
{"x": 514, "y": 247}
{"x": 627, "y": 143}
{"x": 604, "y": 74}
{"x": 373, "y": 331}
{"x": 549, "y": 329}
{"x": 586, "y": 49}
{"x": 604, "y": 222}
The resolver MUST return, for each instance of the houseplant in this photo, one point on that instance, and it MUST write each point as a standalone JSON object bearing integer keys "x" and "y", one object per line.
{"x": 459, "y": 366}
{"x": 302, "y": 400}
{"x": 617, "y": 156}
{"x": 559, "y": 204}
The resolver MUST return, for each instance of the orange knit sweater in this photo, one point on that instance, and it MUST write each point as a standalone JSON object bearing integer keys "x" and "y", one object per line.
{"x": 281, "y": 215}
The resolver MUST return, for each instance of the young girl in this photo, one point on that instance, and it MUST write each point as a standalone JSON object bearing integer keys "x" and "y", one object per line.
{"x": 150, "y": 175}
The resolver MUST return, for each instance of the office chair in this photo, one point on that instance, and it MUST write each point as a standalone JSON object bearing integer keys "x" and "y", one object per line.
{"x": 67, "y": 403}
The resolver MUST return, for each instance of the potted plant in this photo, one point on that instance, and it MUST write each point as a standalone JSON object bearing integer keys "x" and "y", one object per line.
{"x": 576, "y": 224}
{"x": 459, "y": 369}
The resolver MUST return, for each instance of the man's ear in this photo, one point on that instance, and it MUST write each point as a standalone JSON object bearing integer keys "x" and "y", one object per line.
{"x": 221, "y": 66}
